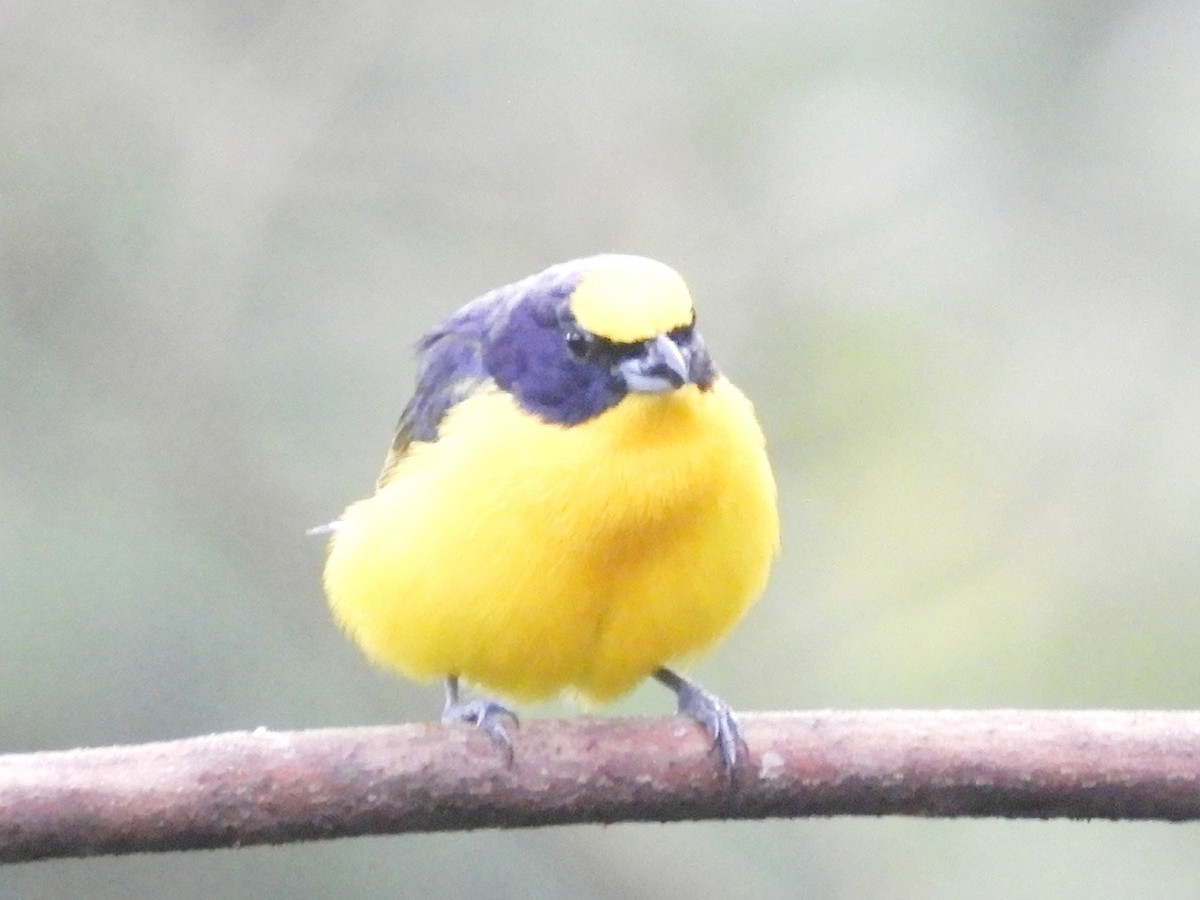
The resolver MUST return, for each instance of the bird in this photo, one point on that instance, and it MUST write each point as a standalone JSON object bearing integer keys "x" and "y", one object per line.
{"x": 576, "y": 500}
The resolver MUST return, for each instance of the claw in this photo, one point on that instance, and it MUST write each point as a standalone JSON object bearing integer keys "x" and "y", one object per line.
{"x": 485, "y": 714}
{"x": 711, "y": 712}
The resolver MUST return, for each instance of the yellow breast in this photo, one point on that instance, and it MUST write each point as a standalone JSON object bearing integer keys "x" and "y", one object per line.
{"x": 532, "y": 558}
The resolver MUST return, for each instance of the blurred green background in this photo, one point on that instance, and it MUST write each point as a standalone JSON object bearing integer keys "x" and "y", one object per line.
{"x": 949, "y": 249}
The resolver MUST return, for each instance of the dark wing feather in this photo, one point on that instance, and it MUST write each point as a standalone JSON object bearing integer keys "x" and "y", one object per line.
{"x": 451, "y": 369}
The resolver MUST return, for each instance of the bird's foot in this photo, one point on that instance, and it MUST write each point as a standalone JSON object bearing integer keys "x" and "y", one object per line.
{"x": 711, "y": 712}
{"x": 487, "y": 715}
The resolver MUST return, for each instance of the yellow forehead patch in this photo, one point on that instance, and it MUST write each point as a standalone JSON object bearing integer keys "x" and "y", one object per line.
{"x": 630, "y": 298}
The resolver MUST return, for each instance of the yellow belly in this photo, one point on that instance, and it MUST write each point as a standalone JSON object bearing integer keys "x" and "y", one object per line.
{"x": 531, "y": 558}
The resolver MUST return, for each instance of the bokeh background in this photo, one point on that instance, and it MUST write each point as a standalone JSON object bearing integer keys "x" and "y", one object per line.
{"x": 951, "y": 250}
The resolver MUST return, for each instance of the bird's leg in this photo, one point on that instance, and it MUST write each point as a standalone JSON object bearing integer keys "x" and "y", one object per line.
{"x": 710, "y": 711}
{"x": 480, "y": 712}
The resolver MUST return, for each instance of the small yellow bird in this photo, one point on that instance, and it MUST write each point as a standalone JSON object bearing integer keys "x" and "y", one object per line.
{"x": 575, "y": 498}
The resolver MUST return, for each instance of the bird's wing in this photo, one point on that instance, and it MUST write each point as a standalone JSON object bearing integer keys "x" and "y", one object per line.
{"x": 451, "y": 369}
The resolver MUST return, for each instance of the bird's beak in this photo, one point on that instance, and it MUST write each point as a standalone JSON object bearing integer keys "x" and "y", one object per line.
{"x": 660, "y": 367}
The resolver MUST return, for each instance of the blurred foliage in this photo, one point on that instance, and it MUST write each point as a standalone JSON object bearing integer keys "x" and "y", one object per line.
{"x": 949, "y": 249}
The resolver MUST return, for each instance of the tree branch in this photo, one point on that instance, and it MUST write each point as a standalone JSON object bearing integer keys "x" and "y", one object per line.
{"x": 262, "y": 787}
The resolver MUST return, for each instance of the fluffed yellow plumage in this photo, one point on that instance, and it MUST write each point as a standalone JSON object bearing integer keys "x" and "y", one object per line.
{"x": 576, "y": 499}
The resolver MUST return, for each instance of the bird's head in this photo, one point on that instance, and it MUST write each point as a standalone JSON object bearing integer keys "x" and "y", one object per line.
{"x": 574, "y": 340}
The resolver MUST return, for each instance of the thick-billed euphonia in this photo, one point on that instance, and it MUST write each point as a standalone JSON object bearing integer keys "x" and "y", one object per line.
{"x": 575, "y": 498}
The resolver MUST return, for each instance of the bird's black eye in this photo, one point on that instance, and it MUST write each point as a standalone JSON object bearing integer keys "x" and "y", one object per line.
{"x": 579, "y": 343}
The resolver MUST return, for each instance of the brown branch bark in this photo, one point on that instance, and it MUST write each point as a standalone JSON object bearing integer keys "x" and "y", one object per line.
{"x": 262, "y": 787}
